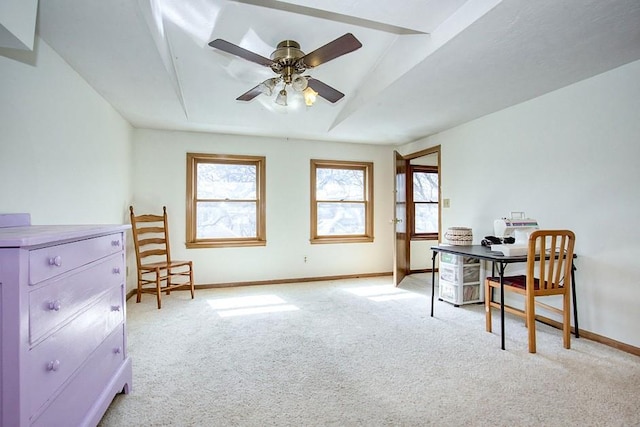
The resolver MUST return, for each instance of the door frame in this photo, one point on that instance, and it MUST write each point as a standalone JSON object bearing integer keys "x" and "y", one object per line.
{"x": 402, "y": 267}
{"x": 401, "y": 241}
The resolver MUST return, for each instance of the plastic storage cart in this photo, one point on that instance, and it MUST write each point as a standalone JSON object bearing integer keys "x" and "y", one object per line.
{"x": 460, "y": 279}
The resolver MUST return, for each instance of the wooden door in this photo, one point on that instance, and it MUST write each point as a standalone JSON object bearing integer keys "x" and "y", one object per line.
{"x": 400, "y": 253}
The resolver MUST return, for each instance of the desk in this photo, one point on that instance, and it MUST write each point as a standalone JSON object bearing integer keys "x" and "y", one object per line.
{"x": 483, "y": 253}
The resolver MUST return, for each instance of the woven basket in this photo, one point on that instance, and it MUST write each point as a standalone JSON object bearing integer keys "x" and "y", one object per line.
{"x": 461, "y": 236}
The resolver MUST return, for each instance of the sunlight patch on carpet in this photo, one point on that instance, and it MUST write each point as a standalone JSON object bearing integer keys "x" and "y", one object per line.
{"x": 400, "y": 295}
{"x": 381, "y": 293}
{"x": 255, "y": 304}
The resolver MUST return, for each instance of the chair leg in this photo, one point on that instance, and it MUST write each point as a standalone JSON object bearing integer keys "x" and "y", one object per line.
{"x": 530, "y": 316}
{"x": 191, "y": 280}
{"x": 488, "y": 297}
{"x": 158, "y": 291}
{"x": 566, "y": 320}
{"x": 139, "y": 293}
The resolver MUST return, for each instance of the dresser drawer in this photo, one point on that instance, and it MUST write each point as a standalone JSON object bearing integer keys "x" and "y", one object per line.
{"x": 55, "y": 260}
{"x": 55, "y": 301}
{"x": 71, "y": 406}
{"x": 54, "y": 360}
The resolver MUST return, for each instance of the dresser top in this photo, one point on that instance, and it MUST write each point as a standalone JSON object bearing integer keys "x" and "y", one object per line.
{"x": 35, "y": 235}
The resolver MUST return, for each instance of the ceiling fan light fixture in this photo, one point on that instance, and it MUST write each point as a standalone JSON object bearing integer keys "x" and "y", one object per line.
{"x": 299, "y": 83}
{"x": 281, "y": 99}
{"x": 267, "y": 86}
{"x": 310, "y": 96}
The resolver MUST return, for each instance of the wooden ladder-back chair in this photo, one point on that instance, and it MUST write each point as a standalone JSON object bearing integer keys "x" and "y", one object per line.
{"x": 550, "y": 275}
{"x": 157, "y": 272}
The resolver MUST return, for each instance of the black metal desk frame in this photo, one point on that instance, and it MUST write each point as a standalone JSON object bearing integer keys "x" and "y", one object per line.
{"x": 501, "y": 261}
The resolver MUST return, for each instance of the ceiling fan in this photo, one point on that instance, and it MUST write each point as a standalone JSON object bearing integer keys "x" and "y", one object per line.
{"x": 289, "y": 63}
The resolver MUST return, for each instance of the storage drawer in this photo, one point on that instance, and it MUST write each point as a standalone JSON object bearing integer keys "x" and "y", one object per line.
{"x": 460, "y": 294}
{"x": 459, "y": 273}
{"x": 51, "y": 362}
{"x": 55, "y": 260}
{"x": 73, "y": 404}
{"x": 457, "y": 259}
{"x": 448, "y": 291}
{"x": 57, "y": 300}
{"x": 471, "y": 274}
{"x": 472, "y": 293}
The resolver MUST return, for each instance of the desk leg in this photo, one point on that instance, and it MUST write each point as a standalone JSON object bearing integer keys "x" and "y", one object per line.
{"x": 501, "y": 269}
{"x": 433, "y": 280}
{"x": 575, "y": 304}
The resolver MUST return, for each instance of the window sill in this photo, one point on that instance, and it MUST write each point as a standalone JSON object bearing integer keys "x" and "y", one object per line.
{"x": 341, "y": 239}
{"x": 424, "y": 237}
{"x": 225, "y": 244}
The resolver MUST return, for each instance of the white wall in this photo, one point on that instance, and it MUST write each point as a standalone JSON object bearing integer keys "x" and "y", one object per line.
{"x": 160, "y": 179}
{"x": 570, "y": 160}
{"x": 65, "y": 153}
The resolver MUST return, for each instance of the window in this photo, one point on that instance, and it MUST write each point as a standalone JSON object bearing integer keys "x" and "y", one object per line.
{"x": 225, "y": 200}
{"x": 341, "y": 201}
{"x": 424, "y": 201}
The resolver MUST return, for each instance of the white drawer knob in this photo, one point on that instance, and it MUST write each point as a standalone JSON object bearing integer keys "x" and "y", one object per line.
{"x": 115, "y": 308}
{"x": 116, "y": 270}
{"x": 54, "y": 305}
{"x": 115, "y": 243}
{"x": 54, "y": 365}
{"x": 57, "y": 261}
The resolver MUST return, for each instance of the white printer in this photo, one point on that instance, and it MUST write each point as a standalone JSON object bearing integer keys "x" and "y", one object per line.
{"x": 519, "y": 227}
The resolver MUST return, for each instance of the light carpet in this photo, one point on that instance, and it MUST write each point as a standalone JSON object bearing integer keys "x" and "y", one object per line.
{"x": 359, "y": 352}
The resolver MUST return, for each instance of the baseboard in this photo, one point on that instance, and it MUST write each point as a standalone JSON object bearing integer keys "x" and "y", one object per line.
{"x": 131, "y": 293}
{"x": 298, "y": 280}
{"x": 422, "y": 270}
{"x": 627, "y": 348}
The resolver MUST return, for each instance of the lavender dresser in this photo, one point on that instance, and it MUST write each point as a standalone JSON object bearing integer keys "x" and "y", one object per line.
{"x": 62, "y": 311}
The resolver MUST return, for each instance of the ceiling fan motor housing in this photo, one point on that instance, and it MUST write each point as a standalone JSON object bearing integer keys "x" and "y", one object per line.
{"x": 286, "y": 59}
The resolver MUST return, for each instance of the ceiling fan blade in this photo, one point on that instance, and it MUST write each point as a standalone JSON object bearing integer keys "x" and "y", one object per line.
{"x": 241, "y": 52}
{"x": 325, "y": 91}
{"x": 250, "y": 94}
{"x": 338, "y": 47}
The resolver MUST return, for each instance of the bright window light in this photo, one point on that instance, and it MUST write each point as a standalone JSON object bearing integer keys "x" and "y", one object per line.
{"x": 390, "y": 297}
{"x": 248, "y": 301}
{"x": 254, "y": 304}
{"x": 365, "y": 291}
{"x": 257, "y": 310}
{"x": 379, "y": 293}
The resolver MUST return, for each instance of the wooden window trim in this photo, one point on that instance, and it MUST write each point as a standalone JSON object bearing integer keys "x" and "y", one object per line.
{"x": 411, "y": 204}
{"x": 193, "y": 159}
{"x": 367, "y": 167}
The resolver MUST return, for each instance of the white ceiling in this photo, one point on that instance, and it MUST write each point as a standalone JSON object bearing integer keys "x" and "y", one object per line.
{"x": 425, "y": 65}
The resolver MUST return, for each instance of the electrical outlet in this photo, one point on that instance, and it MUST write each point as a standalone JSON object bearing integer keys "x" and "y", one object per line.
{"x": 446, "y": 203}
{"x": 305, "y": 258}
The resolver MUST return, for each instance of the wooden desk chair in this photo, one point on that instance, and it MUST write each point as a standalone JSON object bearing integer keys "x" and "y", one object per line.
{"x": 157, "y": 273}
{"x": 543, "y": 278}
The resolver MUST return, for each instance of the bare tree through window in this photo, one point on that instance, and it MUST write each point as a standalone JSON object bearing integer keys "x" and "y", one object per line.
{"x": 425, "y": 197}
{"x": 227, "y": 199}
{"x": 341, "y": 207}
